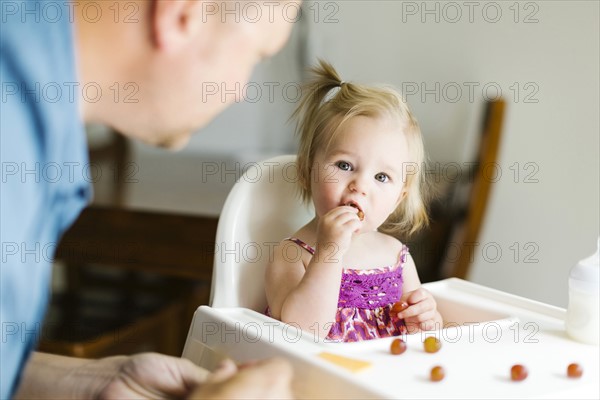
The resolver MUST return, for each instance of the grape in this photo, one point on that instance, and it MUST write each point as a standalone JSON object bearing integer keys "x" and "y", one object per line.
{"x": 518, "y": 372}
{"x": 398, "y": 307}
{"x": 398, "y": 346}
{"x": 360, "y": 213}
{"x": 574, "y": 371}
{"x": 437, "y": 373}
{"x": 431, "y": 344}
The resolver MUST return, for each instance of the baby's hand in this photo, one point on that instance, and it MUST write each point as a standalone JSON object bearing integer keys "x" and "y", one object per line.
{"x": 421, "y": 312}
{"x": 337, "y": 227}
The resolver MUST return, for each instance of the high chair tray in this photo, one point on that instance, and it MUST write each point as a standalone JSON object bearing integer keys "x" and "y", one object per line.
{"x": 486, "y": 332}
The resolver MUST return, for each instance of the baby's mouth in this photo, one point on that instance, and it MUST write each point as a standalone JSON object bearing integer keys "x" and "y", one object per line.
{"x": 360, "y": 214}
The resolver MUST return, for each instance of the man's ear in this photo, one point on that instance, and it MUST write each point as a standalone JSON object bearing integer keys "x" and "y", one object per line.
{"x": 174, "y": 22}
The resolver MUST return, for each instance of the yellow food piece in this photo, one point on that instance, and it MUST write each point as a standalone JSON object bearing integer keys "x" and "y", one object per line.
{"x": 351, "y": 364}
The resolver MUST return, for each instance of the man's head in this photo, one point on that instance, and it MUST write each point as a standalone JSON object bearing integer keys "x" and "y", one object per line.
{"x": 162, "y": 64}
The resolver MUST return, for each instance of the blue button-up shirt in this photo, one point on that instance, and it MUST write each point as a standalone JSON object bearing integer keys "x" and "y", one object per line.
{"x": 45, "y": 171}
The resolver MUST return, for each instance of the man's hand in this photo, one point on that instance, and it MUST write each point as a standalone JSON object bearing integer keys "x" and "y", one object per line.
{"x": 268, "y": 379}
{"x": 152, "y": 375}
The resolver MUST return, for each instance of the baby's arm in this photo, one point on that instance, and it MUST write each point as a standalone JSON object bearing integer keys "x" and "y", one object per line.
{"x": 421, "y": 312}
{"x": 306, "y": 293}
{"x": 303, "y": 297}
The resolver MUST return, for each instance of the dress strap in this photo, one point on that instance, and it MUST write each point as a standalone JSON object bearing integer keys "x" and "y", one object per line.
{"x": 403, "y": 255}
{"x": 302, "y": 244}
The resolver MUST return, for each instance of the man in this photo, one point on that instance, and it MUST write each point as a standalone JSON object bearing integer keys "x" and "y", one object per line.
{"x": 139, "y": 67}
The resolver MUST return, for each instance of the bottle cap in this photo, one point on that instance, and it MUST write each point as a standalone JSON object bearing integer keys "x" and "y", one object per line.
{"x": 585, "y": 275}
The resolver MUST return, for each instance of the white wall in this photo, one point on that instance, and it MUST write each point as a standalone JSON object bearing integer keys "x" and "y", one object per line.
{"x": 550, "y": 211}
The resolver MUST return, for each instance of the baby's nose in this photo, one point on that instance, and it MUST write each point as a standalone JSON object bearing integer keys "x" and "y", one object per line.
{"x": 358, "y": 186}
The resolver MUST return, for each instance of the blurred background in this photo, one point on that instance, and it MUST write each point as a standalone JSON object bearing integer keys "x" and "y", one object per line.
{"x": 450, "y": 60}
{"x": 447, "y": 58}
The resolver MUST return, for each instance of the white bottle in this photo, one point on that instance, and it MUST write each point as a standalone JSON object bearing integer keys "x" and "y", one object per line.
{"x": 583, "y": 311}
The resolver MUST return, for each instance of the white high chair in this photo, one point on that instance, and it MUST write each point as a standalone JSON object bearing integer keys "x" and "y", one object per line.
{"x": 263, "y": 207}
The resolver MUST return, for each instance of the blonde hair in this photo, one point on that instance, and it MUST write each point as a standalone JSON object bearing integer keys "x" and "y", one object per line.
{"x": 320, "y": 115}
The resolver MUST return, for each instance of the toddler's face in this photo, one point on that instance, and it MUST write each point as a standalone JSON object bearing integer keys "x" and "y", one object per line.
{"x": 365, "y": 166}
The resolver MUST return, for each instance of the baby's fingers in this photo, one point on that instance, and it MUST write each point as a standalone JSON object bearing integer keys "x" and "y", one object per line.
{"x": 424, "y": 306}
{"x": 413, "y": 326}
{"x": 429, "y": 325}
{"x": 422, "y": 317}
{"x": 417, "y": 296}
{"x": 419, "y": 301}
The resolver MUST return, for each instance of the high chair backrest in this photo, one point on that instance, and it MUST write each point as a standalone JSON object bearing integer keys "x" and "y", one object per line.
{"x": 263, "y": 207}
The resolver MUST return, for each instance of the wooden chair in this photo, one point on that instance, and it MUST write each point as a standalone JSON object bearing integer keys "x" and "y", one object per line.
{"x": 470, "y": 214}
{"x": 133, "y": 279}
{"x": 141, "y": 276}
{"x": 446, "y": 248}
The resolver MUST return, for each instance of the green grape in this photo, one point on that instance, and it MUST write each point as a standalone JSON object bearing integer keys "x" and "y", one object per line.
{"x": 431, "y": 344}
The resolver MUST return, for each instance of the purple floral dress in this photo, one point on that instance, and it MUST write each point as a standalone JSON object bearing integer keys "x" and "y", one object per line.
{"x": 365, "y": 301}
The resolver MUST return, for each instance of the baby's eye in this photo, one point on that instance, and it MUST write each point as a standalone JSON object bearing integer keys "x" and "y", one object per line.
{"x": 381, "y": 177}
{"x": 344, "y": 166}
